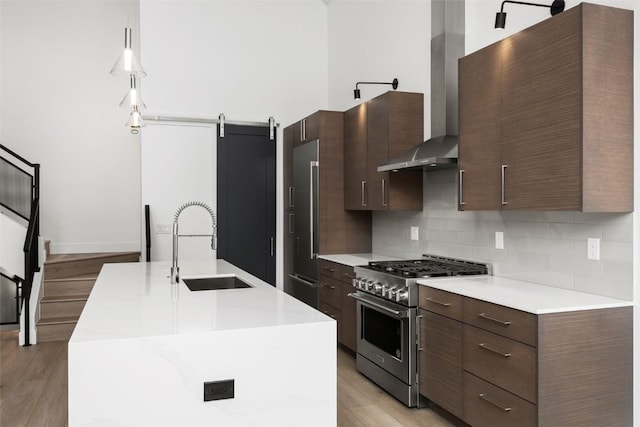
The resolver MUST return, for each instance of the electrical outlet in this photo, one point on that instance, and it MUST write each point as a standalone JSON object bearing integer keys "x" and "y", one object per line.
{"x": 163, "y": 228}
{"x": 218, "y": 390}
{"x": 593, "y": 248}
{"x": 499, "y": 240}
{"x": 415, "y": 233}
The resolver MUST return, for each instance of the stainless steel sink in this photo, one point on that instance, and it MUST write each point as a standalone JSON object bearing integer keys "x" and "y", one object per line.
{"x": 215, "y": 283}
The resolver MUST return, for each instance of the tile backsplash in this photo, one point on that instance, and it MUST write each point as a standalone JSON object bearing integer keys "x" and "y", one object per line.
{"x": 548, "y": 248}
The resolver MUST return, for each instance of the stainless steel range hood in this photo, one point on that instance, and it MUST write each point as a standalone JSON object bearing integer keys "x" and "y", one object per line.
{"x": 447, "y": 46}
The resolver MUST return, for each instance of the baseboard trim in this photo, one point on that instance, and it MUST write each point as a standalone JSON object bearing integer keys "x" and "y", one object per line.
{"x": 87, "y": 248}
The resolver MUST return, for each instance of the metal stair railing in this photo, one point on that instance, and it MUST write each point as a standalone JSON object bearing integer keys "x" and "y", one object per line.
{"x": 20, "y": 193}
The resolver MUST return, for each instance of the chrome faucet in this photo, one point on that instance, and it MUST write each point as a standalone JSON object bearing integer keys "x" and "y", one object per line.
{"x": 175, "y": 270}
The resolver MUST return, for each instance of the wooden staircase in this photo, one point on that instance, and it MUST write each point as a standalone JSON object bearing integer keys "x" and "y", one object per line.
{"x": 68, "y": 280}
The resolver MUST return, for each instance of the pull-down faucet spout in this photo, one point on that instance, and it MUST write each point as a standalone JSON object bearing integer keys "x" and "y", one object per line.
{"x": 175, "y": 270}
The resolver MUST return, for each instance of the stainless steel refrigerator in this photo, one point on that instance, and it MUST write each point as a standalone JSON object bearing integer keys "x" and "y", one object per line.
{"x": 303, "y": 283}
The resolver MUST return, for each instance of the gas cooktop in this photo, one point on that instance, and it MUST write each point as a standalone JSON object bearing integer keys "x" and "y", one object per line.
{"x": 429, "y": 266}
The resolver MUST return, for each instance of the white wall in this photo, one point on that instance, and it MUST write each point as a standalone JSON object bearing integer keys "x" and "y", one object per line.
{"x": 59, "y": 108}
{"x": 248, "y": 60}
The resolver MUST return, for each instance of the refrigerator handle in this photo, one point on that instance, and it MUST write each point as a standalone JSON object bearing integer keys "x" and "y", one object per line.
{"x": 312, "y": 192}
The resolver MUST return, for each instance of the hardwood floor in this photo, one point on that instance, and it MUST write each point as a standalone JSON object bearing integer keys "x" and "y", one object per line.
{"x": 33, "y": 383}
{"x": 33, "y": 391}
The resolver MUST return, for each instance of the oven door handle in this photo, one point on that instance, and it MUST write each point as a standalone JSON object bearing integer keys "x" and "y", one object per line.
{"x": 377, "y": 305}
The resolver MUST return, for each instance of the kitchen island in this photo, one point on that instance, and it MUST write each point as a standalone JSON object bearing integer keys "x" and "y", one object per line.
{"x": 143, "y": 350}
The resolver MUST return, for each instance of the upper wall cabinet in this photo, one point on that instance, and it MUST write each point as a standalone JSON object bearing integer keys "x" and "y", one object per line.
{"x": 546, "y": 116}
{"x": 375, "y": 132}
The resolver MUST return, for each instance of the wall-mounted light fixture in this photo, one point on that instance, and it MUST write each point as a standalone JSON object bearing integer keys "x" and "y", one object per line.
{"x": 356, "y": 92}
{"x": 501, "y": 17}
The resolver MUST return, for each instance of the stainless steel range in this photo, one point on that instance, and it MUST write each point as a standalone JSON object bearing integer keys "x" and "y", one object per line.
{"x": 387, "y": 295}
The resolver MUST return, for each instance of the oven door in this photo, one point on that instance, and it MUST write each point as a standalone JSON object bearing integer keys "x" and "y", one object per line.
{"x": 387, "y": 335}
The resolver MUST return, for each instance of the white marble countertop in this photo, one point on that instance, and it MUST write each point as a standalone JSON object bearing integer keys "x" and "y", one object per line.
{"x": 353, "y": 260}
{"x": 133, "y": 300}
{"x": 525, "y": 296}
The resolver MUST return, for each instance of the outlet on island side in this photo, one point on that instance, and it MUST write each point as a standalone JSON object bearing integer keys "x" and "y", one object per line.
{"x": 499, "y": 240}
{"x": 219, "y": 390}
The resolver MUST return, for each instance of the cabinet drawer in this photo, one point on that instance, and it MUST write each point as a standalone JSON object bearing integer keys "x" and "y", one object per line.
{"x": 330, "y": 291}
{"x": 337, "y": 271}
{"x": 487, "y": 405}
{"x": 441, "y": 302}
{"x": 508, "y": 322}
{"x": 502, "y": 361}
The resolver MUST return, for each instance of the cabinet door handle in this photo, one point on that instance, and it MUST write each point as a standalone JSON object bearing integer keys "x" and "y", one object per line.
{"x": 350, "y": 276}
{"x": 504, "y": 168}
{"x": 419, "y": 340}
{"x": 271, "y": 241}
{"x": 304, "y": 129}
{"x": 331, "y": 270}
{"x": 291, "y": 223}
{"x": 384, "y": 195}
{"x": 493, "y": 319}
{"x": 497, "y": 405}
{"x": 435, "y": 301}
{"x": 460, "y": 201}
{"x": 363, "y": 191}
{"x": 291, "y": 197}
{"x": 494, "y": 350}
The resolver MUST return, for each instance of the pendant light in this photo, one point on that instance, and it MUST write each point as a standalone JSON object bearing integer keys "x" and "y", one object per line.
{"x": 132, "y": 97}
{"x": 127, "y": 62}
{"x": 135, "y": 120}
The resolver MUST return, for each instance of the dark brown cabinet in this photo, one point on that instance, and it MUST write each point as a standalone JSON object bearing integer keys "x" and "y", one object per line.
{"x": 492, "y": 365}
{"x": 335, "y": 285}
{"x": 375, "y": 132}
{"x": 546, "y": 116}
{"x": 440, "y": 350}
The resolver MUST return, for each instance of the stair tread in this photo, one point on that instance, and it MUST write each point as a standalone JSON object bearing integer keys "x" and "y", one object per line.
{"x": 64, "y": 258}
{"x": 65, "y": 298}
{"x": 78, "y": 278}
{"x": 56, "y": 320}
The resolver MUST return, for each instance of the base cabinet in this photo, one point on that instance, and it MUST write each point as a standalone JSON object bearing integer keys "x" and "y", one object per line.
{"x": 492, "y": 365}
{"x": 335, "y": 302}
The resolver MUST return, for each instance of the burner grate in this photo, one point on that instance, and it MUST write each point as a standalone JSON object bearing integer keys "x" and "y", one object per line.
{"x": 428, "y": 268}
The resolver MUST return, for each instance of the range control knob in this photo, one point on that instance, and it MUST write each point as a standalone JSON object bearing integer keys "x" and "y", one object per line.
{"x": 369, "y": 285}
{"x": 402, "y": 296}
{"x": 377, "y": 288}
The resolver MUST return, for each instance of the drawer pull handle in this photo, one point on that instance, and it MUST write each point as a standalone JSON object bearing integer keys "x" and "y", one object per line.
{"x": 350, "y": 276}
{"x": 435, "y": 301}
{"x": 328, "y": 286}
{"x": 331, "y": 270}
{"x": 493, "y": 319}
{"x": 494, "y": 350}
{"x": 497, "y": 405}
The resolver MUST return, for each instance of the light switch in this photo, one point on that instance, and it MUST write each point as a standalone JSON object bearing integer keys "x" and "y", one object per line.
{"x": 499, "y": 240}
{"x": 593, "y": 248}
{"x": 415, "y": 233}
